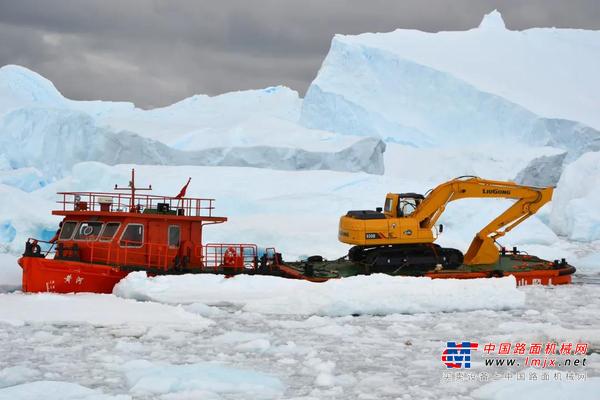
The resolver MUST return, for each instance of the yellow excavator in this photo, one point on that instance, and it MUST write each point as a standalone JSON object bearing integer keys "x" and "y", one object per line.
{"x": 402, "y": 233}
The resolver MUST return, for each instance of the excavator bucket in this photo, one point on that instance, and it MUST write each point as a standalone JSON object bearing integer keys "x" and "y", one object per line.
{"x": 482, "y": 251}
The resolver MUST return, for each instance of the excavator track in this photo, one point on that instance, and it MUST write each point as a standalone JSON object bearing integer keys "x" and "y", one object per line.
{"x": 392, "y": 259}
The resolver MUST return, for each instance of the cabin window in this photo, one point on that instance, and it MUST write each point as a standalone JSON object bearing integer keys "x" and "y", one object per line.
{"x": 109, "y": 231}
{"x": 66, "y": 232}
{"x": 88, "y": 231}
{"x": 174, "y": 236}
{"x": 406, "y": 206}
{"x": 133, "y": 236}
{"x": 388, "y": 205}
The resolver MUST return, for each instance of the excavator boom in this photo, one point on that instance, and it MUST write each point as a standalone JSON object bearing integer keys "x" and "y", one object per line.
{"x": 482, "y": 249}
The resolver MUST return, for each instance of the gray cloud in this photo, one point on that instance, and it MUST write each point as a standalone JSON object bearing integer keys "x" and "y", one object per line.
{"x": 157, "y": 52}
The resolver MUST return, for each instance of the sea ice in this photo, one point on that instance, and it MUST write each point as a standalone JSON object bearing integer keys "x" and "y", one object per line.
{"x": 53, "y": 390}
{"x": 548, "y": 390}
{"x": 147, "y": 378}
{"x": 102, "y": 310}
{"x": 375, "y": 294}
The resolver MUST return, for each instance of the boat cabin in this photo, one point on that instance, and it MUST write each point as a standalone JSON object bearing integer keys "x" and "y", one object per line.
{"x": 135, "y": 231}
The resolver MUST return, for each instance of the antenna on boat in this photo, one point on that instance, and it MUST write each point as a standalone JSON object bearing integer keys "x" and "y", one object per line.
{"x": 132, "y": 188}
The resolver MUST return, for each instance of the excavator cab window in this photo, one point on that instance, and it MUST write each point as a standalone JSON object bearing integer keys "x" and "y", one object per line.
{"x": 406, "y": 206}
{"x": 388, "y": 205}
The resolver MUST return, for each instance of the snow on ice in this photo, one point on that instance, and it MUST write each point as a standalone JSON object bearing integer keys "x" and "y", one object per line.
{"x": 101, "y": 310}
{"x": 10, "y": 273}
{"x": 377, "y": 294}
{"x": 288, "y": 355}
{"x": 53, "y": 390}
{"x": 11, "y": 376}
{"x": 202, "y": 380}
{"x": 547, "y": 390}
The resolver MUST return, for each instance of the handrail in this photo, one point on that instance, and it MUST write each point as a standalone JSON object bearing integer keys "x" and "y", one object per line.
{"x": 43, "y": 252}
{"x": 239, "y": 256}
{"x": 154, "y": 255}
{"x": 213, "y": 257}
{"x": 121, "y": 202}
{"x": 115, "y": 194}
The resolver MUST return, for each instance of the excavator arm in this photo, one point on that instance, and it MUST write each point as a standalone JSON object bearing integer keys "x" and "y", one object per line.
{"x": 482, "y": 249}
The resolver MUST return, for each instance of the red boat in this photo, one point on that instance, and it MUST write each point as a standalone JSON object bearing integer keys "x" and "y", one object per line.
{"x": 104, "y": 236}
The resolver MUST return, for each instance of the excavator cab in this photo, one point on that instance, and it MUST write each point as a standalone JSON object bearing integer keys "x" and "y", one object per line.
{"x": 399, "y": 205}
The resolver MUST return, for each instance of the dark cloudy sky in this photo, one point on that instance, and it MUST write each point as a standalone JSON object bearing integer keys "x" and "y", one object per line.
{"x": 157, "y": 52}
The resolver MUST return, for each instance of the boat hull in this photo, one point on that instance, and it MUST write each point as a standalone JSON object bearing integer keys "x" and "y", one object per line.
{"x": 58, "y": 276}
{"x": 62, "y": 276}
{"x": 538, "y": 277}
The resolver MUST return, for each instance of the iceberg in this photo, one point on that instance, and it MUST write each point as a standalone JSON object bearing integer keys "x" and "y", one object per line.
{"x": 53, "y": 140}
{"x": 575, "y": 212}
{"x": 40, "y": 128}
{"x": 551, "y": 72}
{"x": 454, "y": 88}
{"x": 21, "y": 87}
{"x": 542, "y": 171}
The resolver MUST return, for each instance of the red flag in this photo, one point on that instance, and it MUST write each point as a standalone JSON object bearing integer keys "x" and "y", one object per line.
{"x": 183, "y": 190}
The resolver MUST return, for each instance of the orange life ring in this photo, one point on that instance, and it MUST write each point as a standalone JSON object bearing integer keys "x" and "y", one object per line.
{"x": 230, "y": 257}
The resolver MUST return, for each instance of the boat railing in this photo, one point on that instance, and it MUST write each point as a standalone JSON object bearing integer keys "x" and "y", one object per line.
{"x": 239, "y": 256}
{"x": 214, "y": 257}
{"x": 143, "y": 203}
{"x": 130, "y": 253}
{"x": 151, "y": 255}
{"x": 273, "y": 257}
{"x": 39, "y": 248}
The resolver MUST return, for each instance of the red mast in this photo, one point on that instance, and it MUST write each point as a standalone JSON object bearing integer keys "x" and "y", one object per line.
{"x": 132, "y": 188}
